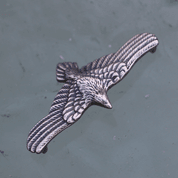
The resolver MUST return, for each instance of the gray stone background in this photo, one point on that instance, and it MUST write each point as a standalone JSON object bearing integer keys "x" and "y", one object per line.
{"x": 138, "y": 138}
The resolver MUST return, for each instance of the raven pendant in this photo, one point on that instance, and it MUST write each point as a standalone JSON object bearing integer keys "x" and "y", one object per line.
{"x": 86, "y": 86}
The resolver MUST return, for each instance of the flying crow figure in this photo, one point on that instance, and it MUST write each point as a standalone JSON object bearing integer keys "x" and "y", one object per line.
{"x": 86, "y": 86}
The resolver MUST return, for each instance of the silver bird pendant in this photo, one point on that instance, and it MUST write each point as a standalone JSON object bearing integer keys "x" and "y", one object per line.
{"x": 86, "y": 86}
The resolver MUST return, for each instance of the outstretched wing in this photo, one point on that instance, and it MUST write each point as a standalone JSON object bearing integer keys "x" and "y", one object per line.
{"x": 66, "y": 109}
{"x": 113, "y": 67}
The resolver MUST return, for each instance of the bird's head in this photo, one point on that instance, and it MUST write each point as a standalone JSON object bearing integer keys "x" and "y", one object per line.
{"x": 100, "y": 94}
{"x": 101, "y": 98}
{"x": 94, "y": 90}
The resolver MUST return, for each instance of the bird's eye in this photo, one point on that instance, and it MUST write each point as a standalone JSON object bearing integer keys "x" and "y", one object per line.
{"x": 97, "y": 92}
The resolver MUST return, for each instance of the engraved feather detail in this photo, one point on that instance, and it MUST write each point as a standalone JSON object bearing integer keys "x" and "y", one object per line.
{"x": 115, "y": 66}
{"x": 86, "y": 86}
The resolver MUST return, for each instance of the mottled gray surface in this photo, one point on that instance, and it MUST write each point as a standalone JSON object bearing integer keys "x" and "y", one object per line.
{"x": 138, "y": 138}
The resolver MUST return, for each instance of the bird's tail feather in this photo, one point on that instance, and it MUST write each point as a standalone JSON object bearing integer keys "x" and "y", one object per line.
{"x": 63, "y": 68}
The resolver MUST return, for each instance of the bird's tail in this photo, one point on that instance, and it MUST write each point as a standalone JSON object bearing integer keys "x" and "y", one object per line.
{"x": 63, "y": 70}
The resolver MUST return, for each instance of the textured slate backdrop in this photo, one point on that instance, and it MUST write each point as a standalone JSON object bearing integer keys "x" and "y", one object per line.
{"x": 138, "y": 138}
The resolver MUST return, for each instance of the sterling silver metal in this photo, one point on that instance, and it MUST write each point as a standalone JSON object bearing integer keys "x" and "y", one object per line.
{"x": 86, "y": 86}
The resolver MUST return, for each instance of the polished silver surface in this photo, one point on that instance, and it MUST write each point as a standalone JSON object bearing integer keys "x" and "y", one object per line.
{"x": 87, "y": 86}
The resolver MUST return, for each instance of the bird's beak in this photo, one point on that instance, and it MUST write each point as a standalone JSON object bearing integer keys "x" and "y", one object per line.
{"x": 106, "y": 102}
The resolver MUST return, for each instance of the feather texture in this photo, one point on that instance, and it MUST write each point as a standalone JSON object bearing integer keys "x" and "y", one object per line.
{"x": 85, "y": 87}
{"x": 67, "y": 108}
